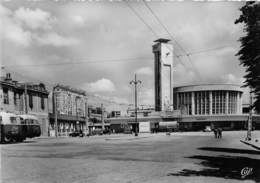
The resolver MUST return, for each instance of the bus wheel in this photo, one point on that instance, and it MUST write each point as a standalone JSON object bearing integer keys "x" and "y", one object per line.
{"x": 7, "y": 139}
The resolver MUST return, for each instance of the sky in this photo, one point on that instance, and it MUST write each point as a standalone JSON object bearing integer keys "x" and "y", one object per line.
{"x": 98, "y": 46}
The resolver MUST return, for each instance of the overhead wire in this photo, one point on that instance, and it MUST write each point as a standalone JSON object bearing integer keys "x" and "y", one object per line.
{"x": 50, "y": 85}
{"x": 204, "y": 50}
{"x": 83, "y": 62}
{"x": 122, "y": 60}
{"x": 178, "y": 44}
{"x": 151, "y": 29}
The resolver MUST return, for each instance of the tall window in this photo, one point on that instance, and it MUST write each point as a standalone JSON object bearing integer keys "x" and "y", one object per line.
{"x": 185, "y": 102}
{"x": 30, "y": 101}
{"x": 15, "y": 99}
{"x": 42, "y": 103}
{"x": 6, "y": 98}
{"x": 232, "y": 102}
{"x": 201, "y": 102}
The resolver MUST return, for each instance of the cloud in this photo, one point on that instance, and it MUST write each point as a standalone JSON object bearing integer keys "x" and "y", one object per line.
{"x": 179, "y": 78}
{"x": 55, "y": 39}
{"x": 79, "y": 20}
{"x": 145, "y": 71}
{"x": 232, "y": 79}
{"x": 12, "y": 30}
{"x": 102, "y": 85}
{"x": 146, "y": 96}
{"x": 114, "y": 99}
{"x": 34, "y": 19}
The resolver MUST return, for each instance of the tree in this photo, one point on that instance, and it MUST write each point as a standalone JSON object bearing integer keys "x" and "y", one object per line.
{"x": 249, "y": 53}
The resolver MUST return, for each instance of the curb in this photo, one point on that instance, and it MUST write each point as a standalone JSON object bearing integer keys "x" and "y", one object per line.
{"x": 134, "y": 138}
{"x": 252, "y": 145}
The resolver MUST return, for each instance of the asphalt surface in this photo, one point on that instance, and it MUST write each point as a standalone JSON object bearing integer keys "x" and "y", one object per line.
{"x": 180, "y": 157}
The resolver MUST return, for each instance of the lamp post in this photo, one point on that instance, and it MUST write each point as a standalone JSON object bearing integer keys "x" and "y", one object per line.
{"x": 135, "y": 82}
{"x": 249, "y": 125}
{"x": 54, "y": 93}
{"x": 86, "y": 115}
{"x": 77, "y": 124}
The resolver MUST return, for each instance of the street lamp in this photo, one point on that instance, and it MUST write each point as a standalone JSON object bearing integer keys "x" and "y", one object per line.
{"x": 77, "y": 125}
{"x": 135, "y": 82}
{"x": 55, "y": 111}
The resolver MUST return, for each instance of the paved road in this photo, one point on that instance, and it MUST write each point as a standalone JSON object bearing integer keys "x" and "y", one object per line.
{"x": 181, "y": 157}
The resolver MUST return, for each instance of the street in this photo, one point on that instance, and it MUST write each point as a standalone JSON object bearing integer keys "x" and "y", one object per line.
{"x": 180, "y": 157}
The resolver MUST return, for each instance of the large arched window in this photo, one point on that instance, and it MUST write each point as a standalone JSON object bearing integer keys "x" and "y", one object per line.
{"x": 30, "y": 101}
{"x": 42, "y": 103}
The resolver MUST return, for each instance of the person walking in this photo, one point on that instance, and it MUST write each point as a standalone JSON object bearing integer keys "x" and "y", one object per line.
{"x": 220, "y": 133}
{"x": 215, "y": 132}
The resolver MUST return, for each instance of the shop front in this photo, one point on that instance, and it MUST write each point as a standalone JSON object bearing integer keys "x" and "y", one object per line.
{"x": 66, "y": 125}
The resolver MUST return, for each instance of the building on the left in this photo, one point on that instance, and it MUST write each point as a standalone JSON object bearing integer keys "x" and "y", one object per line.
{"x": 25, "y": 98}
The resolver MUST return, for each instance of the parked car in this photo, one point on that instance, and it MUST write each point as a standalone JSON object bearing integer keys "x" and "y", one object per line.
{"x": 97, "y": 132}
{"x": 76, "y": 134}
{"x": 107, "y": 131}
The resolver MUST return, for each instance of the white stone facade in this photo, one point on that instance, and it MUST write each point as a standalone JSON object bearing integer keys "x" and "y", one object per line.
{"x": 208, "y": 99}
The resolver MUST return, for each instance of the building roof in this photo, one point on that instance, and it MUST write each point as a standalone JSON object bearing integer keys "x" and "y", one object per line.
{"x": 68, "y": 88}
{"x": 35, "y": 87}
{"x": 162, "y": 40}
{"x": 208, "y": 87}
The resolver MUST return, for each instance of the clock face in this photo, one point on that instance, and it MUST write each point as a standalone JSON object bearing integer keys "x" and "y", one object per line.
{"x": 166, "y": 54}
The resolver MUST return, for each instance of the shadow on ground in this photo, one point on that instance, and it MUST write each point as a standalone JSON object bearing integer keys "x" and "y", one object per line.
{"x": 24, "y": 142}
{"x": 229, "y": 167}
{"x": 229, "y": 150}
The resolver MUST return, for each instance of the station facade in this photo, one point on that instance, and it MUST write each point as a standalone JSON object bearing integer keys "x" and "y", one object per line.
{"x": 214, "y": 105}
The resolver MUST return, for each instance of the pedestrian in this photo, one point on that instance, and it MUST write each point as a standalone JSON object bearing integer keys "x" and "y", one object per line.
{"x": 215, "y": 132}
{"x": 220, "y": 132}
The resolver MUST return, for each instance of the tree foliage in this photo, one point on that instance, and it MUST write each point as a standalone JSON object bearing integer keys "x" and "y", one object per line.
{"x": 249, "y": 53}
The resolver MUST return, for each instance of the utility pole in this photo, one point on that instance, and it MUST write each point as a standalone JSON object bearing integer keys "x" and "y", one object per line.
{"x": 86, "y": 114}
{"x": 102, "y": 117}
{"x": 249, "y": 127}
{"x": 25, "y": 98}
{"x": 55, "y": 112}
{"x": 135, "y": 82}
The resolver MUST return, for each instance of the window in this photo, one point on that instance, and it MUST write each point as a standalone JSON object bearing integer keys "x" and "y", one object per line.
{"x": 6, "y": 98}
{"x": 42, "y": 103}
{"x": 15, "y": 99}
{"x": 31, "y": 101}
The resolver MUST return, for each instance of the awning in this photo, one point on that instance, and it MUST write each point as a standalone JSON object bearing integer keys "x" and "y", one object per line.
{"x": 168, "y": 124}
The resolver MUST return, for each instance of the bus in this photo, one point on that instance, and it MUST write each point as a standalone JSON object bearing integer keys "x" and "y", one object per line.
{"x": 10, "y": 128}
{"x": 16, "y": 128}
